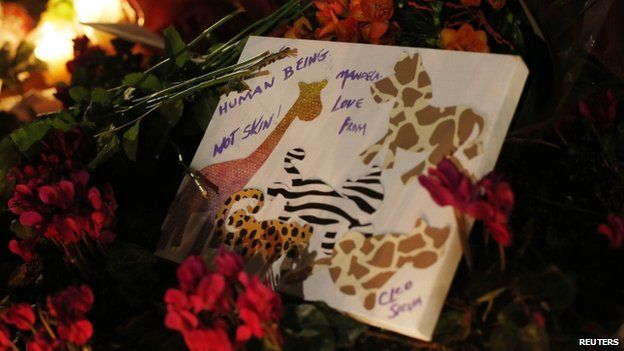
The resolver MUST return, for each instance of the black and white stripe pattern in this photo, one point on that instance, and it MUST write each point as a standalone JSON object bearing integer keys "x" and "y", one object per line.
{"x": 328, "y": 210}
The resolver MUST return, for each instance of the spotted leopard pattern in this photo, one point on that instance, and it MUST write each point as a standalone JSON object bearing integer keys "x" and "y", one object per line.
{"x": 271, "y": 238}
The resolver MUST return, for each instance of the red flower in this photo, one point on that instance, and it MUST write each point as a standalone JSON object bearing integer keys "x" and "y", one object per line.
{"x": 23, "y": 248}
{"x": 40, "y": 343}
{"x": 69, "y": 307}
{"x": 209, "y": 339}
{"x": 448, "y": 186}
{"x": 500, "y": 197}
{"x": 20, "y": 315}
{"x": 5, "y": 338}
{"x": 259, "y": 307}
{"x": 377, "y": 12}
{"x": 490, "y": 200}
{"x": 203, "y": 305}
{"x": 613, "y": 230}
{"x": 600, "y": 109}
{"x": 228, "y": 264}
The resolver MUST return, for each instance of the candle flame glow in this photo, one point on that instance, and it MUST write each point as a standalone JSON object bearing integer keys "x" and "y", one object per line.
{"x": 55, "y": 42}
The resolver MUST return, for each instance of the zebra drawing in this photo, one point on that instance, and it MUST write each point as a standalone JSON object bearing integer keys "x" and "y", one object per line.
{"x": 330, "y": 211}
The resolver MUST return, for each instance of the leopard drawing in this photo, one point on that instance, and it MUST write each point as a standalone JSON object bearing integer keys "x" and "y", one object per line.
{"x": 271, "y": 238}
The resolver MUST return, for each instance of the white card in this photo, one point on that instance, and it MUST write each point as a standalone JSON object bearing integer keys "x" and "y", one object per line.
{"x": 320, "y": 161}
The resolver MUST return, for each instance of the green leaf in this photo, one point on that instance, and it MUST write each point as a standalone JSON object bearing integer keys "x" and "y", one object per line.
{"x": 27, "y": 136}
{"x": 78, "y": 94}
{"x": 172, "y": 111}
{"x": 131, "y": 141}
{"x": 108, "y": 145}
{"x": 316, "y": 326}
{"x": 175, "y": 47}
{"x": 139, "y": 80}
{"x": 101, "y": 96}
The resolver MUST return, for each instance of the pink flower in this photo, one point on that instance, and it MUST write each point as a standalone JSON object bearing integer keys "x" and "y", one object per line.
{"x": 613, "y": 230}
{"x": 20, "y": 315}
{"x": 69, "y": 307}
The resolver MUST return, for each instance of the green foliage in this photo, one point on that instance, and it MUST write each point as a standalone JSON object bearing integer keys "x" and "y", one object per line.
{"x": 175, "y": 48}
{"x": 317, "y": 327}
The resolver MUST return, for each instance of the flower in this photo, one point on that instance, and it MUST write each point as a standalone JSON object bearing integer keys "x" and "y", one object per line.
{"x": 470, "y": 2}
{"x": 599, "y": 109}
{"x": 5, "y": 338}
{"x": 490, "y": 200}
{"x": 301, "y": 29}
{"x": 500, "y": 198}
{"x": 209, "y": 339}
{"x": 613, "y": 230}
{"x": 464, "y": 39}
{"x": 202, "y": 308}
{"x": 69, "y": 307}
{"x": 20, "y": 315}
{"x": 23, "y": 248}
{"x": 448, "y": 186}
{"x": 228, "y": 264}
{"x": 41, "y": 343}
{"x": 376, "y": 12}
{"x": 53, "y": 199}
{"x": 259, "y": 307}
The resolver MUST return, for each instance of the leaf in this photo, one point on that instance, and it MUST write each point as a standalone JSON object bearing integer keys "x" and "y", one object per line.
{"x": 172, "y": 112}
{"x": 316, "y": 326}
{"x": 108, "y": 145}
{"x": 147, "y": 82}
{"x": 175, "y": 47}
{"x": 27, "y": 136}
{"x": 78, "y": 94}
{"x": 131, "y": 141}
{"x": 101, "y": 96}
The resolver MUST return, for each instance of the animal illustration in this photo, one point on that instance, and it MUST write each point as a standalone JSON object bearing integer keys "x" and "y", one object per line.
{"x": 328, "y": 210}
{"x": 361, "y": 265}
{"x": 191, "y": 210}
{"x": 240, "y": 229}
{"x": 417, "y": 126}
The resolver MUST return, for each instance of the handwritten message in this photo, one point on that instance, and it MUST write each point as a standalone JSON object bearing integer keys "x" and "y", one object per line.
{"x": 257, "y": 126}
{"x": 390, "y": 298}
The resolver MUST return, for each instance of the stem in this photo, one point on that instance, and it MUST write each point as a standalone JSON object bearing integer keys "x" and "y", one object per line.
{"x": 129, "y": 123}
{"x": 501, "y": 252}
{"x": 44, "y": 321}
{"x": 463, "y": 237}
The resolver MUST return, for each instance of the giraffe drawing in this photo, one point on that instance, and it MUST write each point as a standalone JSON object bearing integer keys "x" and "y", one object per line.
{"x": 361, "y": 265}
{"x": 228, "y": 177}
{"x": 417, "y": 126}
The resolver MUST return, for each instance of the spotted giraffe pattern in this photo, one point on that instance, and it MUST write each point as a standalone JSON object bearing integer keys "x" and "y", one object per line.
{"x": 361, "y": 265}
{"x": 240, "y": 230}
{"x": 417, "y": 126}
